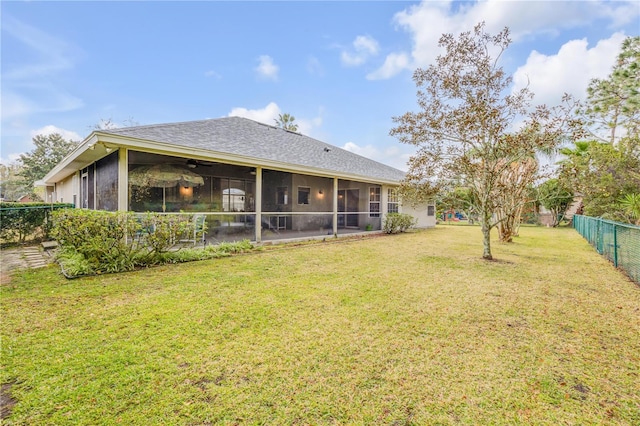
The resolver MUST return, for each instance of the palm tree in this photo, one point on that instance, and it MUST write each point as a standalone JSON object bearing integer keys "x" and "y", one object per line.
{"x": 631, "y": 205}
{"x": 286, "y": 122}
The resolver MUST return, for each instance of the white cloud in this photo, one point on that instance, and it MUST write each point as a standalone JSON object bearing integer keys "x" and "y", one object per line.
{"x": 308, "y": 126}
{"x": 393, "y": 64}
{"x": 267, "y": 69}
{"x": 390, "y": 155}
{"x": 363, "y": 48}
{"x": 51, "y": 129}
{"x": 265, "y": 115}
{"x": 12, "y": 158}
{"x": 269, "y": 115}
{"x": 427, "y": 21}
{"x": 570, "y": 70}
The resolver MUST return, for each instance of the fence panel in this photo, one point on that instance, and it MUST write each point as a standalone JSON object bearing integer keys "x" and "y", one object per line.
{"x": 19, "y": 221}
{"x": 618, "y": 242}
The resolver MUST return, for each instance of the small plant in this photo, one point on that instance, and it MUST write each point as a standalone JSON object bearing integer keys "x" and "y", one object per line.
{"x": 73, "y": 263}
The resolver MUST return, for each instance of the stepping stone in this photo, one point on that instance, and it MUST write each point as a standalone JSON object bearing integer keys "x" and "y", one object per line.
{"x": 49, "y": 245}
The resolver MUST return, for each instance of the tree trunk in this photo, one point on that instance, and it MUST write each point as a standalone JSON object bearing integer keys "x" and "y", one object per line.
{"x": 486, "y": 237}
{"x": 505, "y": 229}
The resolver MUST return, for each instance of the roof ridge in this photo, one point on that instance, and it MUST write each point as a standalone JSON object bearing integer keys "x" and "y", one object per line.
{"x": 175, "y": 123}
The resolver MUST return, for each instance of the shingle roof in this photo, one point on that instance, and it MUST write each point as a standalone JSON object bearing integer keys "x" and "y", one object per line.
{"x": 248, "y": 138}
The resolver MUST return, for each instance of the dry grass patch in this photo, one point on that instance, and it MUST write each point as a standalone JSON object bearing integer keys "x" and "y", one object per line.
{"x": 406, "y": 329}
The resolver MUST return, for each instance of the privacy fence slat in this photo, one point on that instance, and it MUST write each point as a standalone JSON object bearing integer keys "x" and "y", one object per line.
{"x": 618, "y": 242}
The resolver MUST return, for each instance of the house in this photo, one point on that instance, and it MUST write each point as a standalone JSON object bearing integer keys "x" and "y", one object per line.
{"x": 25, "y": 199}
{"x": 236, "y": 171}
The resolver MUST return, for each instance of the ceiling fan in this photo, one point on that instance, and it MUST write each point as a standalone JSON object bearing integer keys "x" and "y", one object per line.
{"x": 192, "y": 164}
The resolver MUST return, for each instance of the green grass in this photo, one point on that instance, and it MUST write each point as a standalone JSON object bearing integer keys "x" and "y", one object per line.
{"x": 406, "y": 329}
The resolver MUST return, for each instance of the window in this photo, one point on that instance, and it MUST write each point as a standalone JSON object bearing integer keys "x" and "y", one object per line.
{"x": 430, "y": 210}
{"x": 303, "y": 194}
{"x": 374, "y": 201}
{"x": 392, "y": 200}
{"x": 282, "y": 195}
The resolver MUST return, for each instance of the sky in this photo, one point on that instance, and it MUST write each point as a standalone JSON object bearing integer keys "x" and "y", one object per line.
{"x": 342, "y": 69}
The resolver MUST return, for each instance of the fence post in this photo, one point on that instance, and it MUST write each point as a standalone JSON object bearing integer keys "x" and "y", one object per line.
{"x": 615, "y": 246}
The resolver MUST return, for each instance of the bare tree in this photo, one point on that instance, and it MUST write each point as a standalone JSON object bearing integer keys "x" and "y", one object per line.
{"x": 467, "y": 129}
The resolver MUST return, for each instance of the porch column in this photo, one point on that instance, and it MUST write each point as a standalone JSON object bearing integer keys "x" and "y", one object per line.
{"x": 258, "y": 204}
{"x": 335, "y": 206}
{"x": 123, "y": 179}
{"x": 384, "y": 200}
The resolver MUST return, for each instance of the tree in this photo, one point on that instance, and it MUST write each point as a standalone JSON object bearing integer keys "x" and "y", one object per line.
{"x": 455, "y": 197}
{"x": 613, "y": 104}
{"x": 606, "y": 168}
{"x": 631, "y": 206}
{"x": 11, "y": 183}
{"x": 556, "y": 198}
{"x": 603, "y": 174}
{"x": 514, "y": 183}
{"x": 286, "y": 122}
{"x": 49, "y": 151}
{"x": 465, "y": 129}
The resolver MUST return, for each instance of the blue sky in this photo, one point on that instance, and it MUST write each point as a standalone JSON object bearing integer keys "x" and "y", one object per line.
{"x": 343, "y": 69}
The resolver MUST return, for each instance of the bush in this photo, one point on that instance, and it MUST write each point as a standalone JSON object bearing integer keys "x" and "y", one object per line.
{"x": 105, "y": 239}
{"x": 95, "y": 242}
{"x": 398, "y": 222}
{"x": 21, "y": 220}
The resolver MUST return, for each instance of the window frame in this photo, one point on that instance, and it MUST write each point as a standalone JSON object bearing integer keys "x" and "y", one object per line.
{"x": 307, "y": 190}
{"x": 392, "y": 200}
{"x": 375, "y": 199}
{"x": 285, "y": 195}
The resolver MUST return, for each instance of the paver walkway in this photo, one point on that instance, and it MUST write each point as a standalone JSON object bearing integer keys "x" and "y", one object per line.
{"x": 22, "y": 258}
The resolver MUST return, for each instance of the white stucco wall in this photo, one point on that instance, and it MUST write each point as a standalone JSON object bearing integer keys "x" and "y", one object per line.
{"x": 420, "y": 212}
{"x": 66, "y": 189}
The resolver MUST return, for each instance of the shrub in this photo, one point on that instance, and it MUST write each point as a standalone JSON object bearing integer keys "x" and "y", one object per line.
{"x": 102, "y": 238}
{"x": 158, "y": 233}
{"x": 398, "y": 222}
{"x": 21, "y": 220}
{"x": 237, "y": 247}
{"x": 94, "y": 242}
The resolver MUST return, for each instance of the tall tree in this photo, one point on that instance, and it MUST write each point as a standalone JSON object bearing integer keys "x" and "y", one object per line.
{"x": 606, "y": 169}
{"x": 613, "y": 104}
{"x": 49, "y": 150}
{"x": 11, "y": 183}
{"x": 464, "y": 130}
{"x": 286, "y": 122}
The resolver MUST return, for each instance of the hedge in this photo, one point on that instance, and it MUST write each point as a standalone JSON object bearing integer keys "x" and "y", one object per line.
{"x": 19, "y": 221}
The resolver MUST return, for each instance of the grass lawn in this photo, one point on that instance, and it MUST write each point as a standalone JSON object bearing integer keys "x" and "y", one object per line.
{"x": 407, "y": 329}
